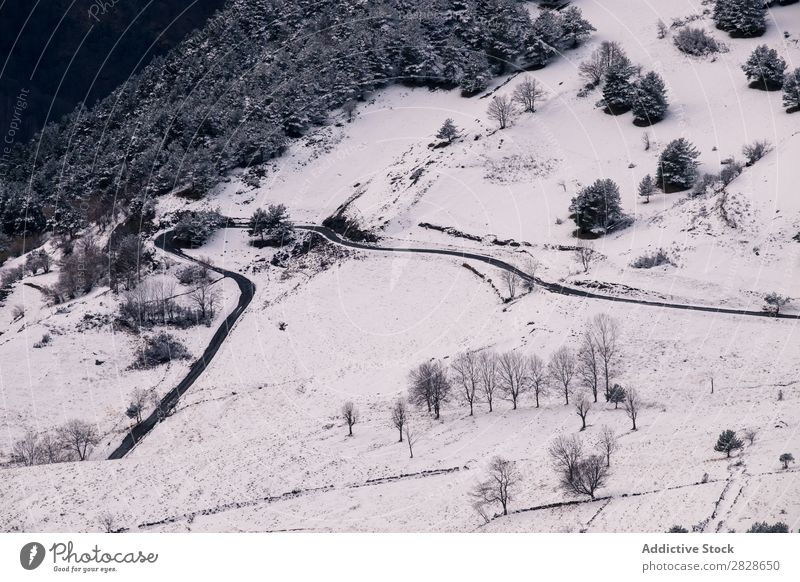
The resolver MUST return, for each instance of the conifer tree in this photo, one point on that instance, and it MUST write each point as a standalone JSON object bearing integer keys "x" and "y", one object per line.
{"x": 618, "y": 91}
{"x": 765, "y": 69}
{"x": 791, "y": 90}
{"x": 649, "y": 102}
{"x": 596, "y": 209}
{"x": 677, "y": 166}
{"x": 576, "y": 28}
{"x": 728, "y": 442}
{"x": 448, "y": 131}
{"x": 647, "y": 187}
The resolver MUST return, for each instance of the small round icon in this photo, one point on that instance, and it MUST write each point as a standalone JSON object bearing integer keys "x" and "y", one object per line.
{"x": 31, "y": 555}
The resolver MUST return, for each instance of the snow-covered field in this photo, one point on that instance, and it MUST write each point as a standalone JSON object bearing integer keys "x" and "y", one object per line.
{"x": 258, "y": 443}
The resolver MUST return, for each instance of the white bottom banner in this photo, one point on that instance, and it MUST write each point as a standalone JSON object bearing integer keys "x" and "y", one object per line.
{"x": 355, "y": 557}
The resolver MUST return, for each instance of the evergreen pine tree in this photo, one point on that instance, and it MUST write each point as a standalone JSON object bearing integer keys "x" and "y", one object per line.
{"x": 544, "y": 39}
{"x": 617, "y": 395}
{"x": 791, "y": 90}
{"x": 748, "y": 18}
{"x": 677, "y": 166}
{"x": 576, "y": 28}
{"x": 448, "y": 131}
{"x": 728, "y": 442}
{"x": 596, "y": 209}
{"x": 723, "y": 14}
{"x": 765, "y": 69}
{"x": 617, "y": 90}
{"x": 649, "y": 102}
{"x": 647, "y": 187}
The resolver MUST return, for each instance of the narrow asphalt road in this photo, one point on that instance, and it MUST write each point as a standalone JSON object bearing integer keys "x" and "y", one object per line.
{"x": 247, "y": 289}
{"x": 552, "y": 287}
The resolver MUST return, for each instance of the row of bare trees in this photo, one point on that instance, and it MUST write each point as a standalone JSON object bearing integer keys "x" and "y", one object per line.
{"x": 486, "y": 376}
{"x": 580, "y": 472}
{"x": 400, "y": 419}
{"x": 70, "y": 442}
{"x": 153, "y": 302}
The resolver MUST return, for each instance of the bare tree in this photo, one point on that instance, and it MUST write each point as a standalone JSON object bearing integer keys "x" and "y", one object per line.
{"x": 632, "y": 405}
{"x": 527, "y": 94}
{"x": 50, "y": 448}
{"x": 585, "y": 255}
{"x": 566, "y": 452}
{"x": 430, "y": 386}
{"x": 588, "y": 363}
{"x": 27, "y": 450}
{"x": 411, "y": 438}
{"x": 138, "y": 404}
{"x": 350, "y": 414}
{"x": 512, "y": 282}
{"x": 488, "y": 370}
{"x": 562, "y": 370}
{"x": 589, "y": 475}
{"x": 501, "y": 110}
{"x": 512, "y": 368}
{"x": 467, "y": 376}
{"x": 500, "y": 486}
{"x": 605, "y": 332}
{"x": 773, "y": 303}
{"x": 582, "y": 408}
{"x": 205, "y": 297}
{"x": 537, "y": 377}
{"x": 750, "y": 435}
{"x": 78, "y": 437}
{"x": 607, "y": 56}
{"x": 399, "y": 416}
{"x": 108, "y": 522}
{"x": 608, "y": 443}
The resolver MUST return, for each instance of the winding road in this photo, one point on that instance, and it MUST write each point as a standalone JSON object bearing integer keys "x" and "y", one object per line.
{"x": 247, "y": 288}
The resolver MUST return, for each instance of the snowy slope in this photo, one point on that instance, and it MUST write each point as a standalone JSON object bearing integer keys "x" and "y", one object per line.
{"x": 260, "y": 435}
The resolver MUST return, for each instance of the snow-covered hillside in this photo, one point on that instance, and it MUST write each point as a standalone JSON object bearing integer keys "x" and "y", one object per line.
{"x": 258, "y": 443}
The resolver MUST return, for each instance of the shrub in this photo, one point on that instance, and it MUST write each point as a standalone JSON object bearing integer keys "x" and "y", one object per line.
{"x": 756, "y": 150}
{"x": 677, "y": 529}
{"x": 192, "y": 274}
{"x": 650, "y": 260}
{"x": 161, "y": 349}
{"x": 46, "y": 339}
{"x": 764, "y": 527}
{"x": 697, "y": 42}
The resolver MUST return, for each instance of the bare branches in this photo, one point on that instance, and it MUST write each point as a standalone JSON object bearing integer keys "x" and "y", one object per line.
{"x": 501, "y": 110}
{"x": 500, "y": 486}
{"x": 467, "y": 376}
{"x": 607, "y": 443}
{"x": 590, "y": 474}
{"x": 585, "y": 255}
{"x": 78, "y": 437}
{"x": 537, "y": 377}
{"x": 350, "y": 414}
{"x": 430, "y": 386}
{"x": 562, "y": 370}
{"x": 511, "y": 281}
{"x": 582, "y": 407}
{"x": 411, "y": 438}
{"x": 632, "y": 405}
{"x": 527, "y": 94}
{"x": 399, "y": 416}
{"x": 565, "y": 452}
{"x": 605, "y": 334}
{"x": 588, "y": 363}
{"x": 487, "y": 369}
{"x": 512, "y": 373}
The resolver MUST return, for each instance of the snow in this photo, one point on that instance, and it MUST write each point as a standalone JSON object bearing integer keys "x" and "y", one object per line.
{"x": 257, "y": 444}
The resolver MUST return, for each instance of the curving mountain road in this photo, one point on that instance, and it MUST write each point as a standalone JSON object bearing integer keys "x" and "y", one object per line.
{"x": 552, "y": 287}
{"x": 247, "y": 288}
